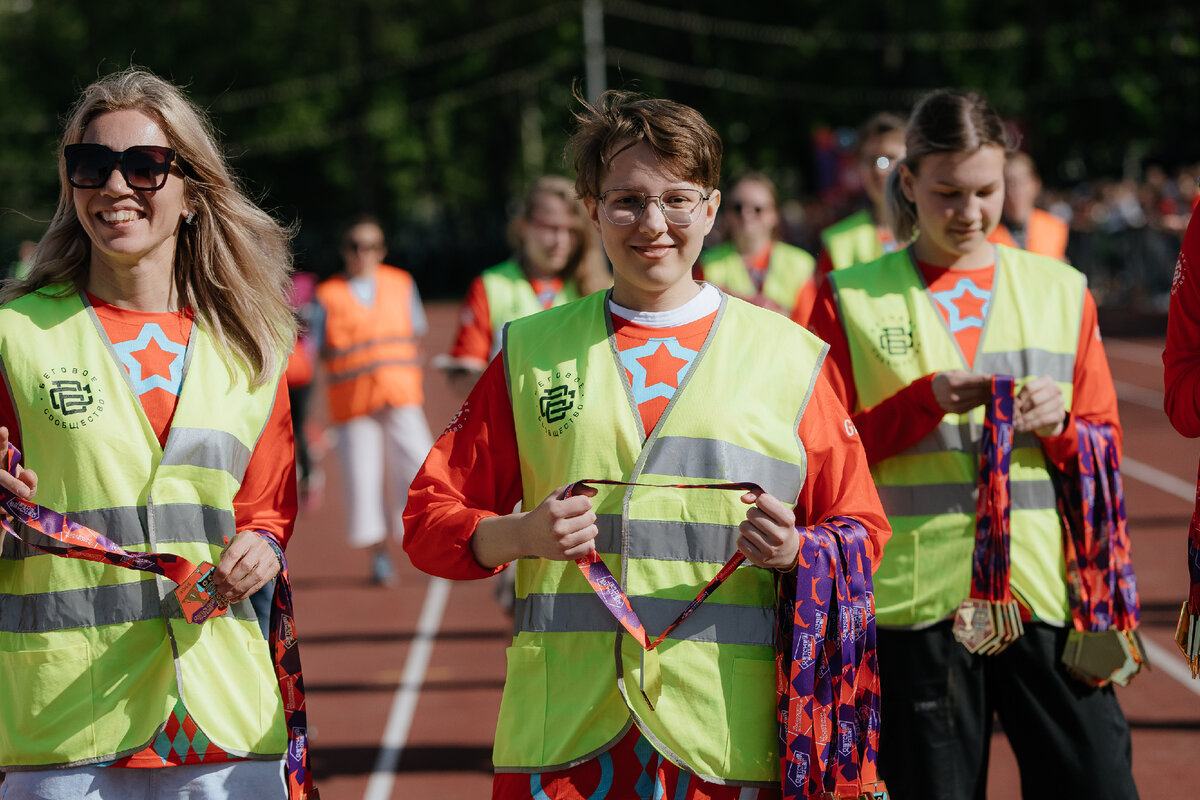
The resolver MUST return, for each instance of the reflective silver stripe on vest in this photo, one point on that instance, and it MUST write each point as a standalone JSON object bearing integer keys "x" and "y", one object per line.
{"x": 203, "y": 447}
{"x": 329, "y": 352}
{"x": 339, "y": 377}
{"x": 963, "y": 437}
{"x": 91, "y": 607}
{"x": 127, "y": 527}
{"x": 713, "y": 459}
{"x": 959, "y": 498}
{"x": 580, "y": 613}
{"x": 700, "y": 542}
{"x": 1020, "y": 363}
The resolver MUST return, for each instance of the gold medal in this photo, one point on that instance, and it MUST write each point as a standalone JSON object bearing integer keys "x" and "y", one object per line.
{"x": 1187, "y": 636}
{"x": 975, "y": 624}
{"x": 1103, "y": 657}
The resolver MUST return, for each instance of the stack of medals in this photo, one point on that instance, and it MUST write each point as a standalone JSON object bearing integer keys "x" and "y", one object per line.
{"x": 989, "y": 620}
{"x": 827, "y": 669}
{"x": 1104, "y": 646}
{"x": 1187, "y": 633}
{"x": 197, "y": 600}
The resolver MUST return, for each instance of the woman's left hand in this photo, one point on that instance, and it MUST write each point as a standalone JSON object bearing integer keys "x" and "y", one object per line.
{"x": 768, "y": 534}
{"x": 246, "y": 566}
{"x": 1039, "y": 408}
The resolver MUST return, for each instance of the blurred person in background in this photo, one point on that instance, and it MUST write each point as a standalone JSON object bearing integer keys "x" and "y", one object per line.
{"x": 1023, "y": 224}
{"x": 556, "y": 259}
{"x": 753, "y": 264}
{"x": 19, "y": 269}
{"x": 142, "y": 360}
{"x": 367, "y": 322}
{"x": 866, "y": 235}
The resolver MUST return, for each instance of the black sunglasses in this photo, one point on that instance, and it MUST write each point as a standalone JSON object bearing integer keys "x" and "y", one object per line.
{"x": 144, "y": 167}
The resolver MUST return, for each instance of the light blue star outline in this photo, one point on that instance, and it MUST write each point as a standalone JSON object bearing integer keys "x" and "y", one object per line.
{"x": 946, "y": 300}
{"x": 643, "y": 393}
{"x": 152, "y": 332}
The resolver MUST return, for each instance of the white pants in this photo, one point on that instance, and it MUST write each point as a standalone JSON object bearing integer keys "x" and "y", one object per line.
{"x": 391, "y": 442}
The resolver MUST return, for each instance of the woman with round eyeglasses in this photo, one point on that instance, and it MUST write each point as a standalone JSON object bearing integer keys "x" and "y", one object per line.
{"x": 753, "y": 264}
{"x": 866, "y": 235}
{"x": 653, "y": 382}
{"x": 141, "y": 362}
{"x": 556, "y": 259}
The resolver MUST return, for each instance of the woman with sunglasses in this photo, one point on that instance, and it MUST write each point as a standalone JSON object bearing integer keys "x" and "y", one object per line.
{"x": 367, "y": 322}
{"x": 141, "y": 360}
{"x": 753, "y": 264}
{"x": 556, "y": 259}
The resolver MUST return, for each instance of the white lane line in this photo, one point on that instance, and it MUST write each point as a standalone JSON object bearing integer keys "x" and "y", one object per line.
{"x": 1134, "y": 351}
{"x": 404, "y": 704}
{"x": 1168, "y": 661}
{"x": 1172, "y": 663}
{"x": 1150, "y": 398}
{"x": 1152, "y": 476}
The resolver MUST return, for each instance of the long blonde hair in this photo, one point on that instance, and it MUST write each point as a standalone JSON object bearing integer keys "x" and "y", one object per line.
{"x": 232, "y": 264}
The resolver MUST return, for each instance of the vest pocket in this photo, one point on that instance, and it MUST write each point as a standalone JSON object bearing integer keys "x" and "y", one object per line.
{"x": 753, "y": 752}
{"x": 520, "y": 728}
{"x": 47, "y": 700}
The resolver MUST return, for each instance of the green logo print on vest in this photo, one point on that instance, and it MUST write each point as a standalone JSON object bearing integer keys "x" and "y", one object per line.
{"x": 560, "y": 401}
{"x": 71, "y": 396}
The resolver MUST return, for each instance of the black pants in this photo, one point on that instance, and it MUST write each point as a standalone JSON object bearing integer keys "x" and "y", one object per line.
{"x": 938, "y": 701}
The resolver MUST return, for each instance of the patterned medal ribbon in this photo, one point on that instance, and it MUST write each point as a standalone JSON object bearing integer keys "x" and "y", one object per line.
{"x": 1187, "y": 633}
{"x": 828, "y": 679}
{"x": 1104, "y": 646}
{"x": 989, "y": 620}
{"x": 613, "y": 596}
{"x": 197, "y": 598}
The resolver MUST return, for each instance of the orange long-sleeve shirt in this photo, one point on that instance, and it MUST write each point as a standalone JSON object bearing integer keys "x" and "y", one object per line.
{"x": 902, "y": 420}
{"x": 1181, "y": 356}
{"x": 474, "y": 472}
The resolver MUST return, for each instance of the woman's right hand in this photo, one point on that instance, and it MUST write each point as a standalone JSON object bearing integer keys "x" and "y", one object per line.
{"x": 958, "y": 391}
{"x": 25, "y": 482}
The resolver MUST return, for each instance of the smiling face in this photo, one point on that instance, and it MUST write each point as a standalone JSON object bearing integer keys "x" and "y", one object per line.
{"x": 652, "y": 259}
{"x": 131, "y": 231}
{"x": 959, "y": 197}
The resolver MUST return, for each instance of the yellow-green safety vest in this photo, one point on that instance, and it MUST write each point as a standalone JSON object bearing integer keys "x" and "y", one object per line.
{"x": 510, "y": 296}
{"x": 897, "y": 335}
{"x": 852, "y": 240}
{"x": 573, "y": 682}
{"x": 93, "y": 657}
{"x": 788, "y": 269}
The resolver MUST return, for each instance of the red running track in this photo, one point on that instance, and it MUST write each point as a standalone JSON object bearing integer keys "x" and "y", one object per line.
{"x": 358, "y": 640}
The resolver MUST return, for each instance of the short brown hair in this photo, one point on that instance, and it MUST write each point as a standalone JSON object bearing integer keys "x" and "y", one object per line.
{"x": 685, "y": 144}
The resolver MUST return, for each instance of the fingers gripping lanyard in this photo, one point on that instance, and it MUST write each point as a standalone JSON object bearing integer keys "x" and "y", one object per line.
{"x": 989, "y": 620}
{"x": 197, "y": 597}
{"x": 828, "y": 676}
{"x": 617, "y": 602}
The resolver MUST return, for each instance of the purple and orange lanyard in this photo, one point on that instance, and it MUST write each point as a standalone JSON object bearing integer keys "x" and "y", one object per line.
{"x": 1099, "y": 571}
{"x": 197, "y": 598}
{"x": 827, "y": 671}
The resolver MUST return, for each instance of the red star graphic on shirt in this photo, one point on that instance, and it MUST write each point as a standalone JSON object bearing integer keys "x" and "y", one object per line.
{"x": 970, "y": 306}
{"x": 154, "y": 360}
{"x": 662, "y": 367}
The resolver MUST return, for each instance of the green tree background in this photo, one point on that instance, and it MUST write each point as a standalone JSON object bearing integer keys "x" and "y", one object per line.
{"x": 435, "y": 116}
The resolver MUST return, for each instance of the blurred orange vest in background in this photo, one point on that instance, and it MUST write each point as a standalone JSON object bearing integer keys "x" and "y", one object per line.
{"x": 370, "y": 352}
{"x": 1046, "y": 235}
